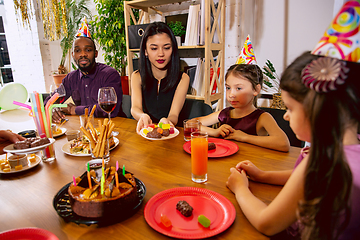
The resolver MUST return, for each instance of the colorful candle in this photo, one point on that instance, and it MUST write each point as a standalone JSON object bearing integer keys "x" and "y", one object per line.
{"x": 88, "y": 175}
{"x": 74, "y": 180}
{"x": 124, "y": 170}
{"x": 102, "y": 180}
{"x": 116, "y": 174}
{"x": 102, "y": 184}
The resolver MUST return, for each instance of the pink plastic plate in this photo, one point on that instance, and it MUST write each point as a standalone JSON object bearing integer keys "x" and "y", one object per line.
{"x": 218, "y": 209}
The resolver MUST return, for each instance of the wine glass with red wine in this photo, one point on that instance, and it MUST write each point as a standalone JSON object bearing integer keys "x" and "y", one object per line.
{"x": 60, "y": 90}
{"x": 107, "y": 99}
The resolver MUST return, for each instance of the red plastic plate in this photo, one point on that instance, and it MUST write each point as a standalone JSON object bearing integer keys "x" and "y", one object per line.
{"x": 214, "y": 206}
{"x": 223, "y": 148}
{"x": 28, "y": 234}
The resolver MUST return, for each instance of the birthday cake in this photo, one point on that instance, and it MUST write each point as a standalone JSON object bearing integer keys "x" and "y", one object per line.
{"x": 96, "y": 202}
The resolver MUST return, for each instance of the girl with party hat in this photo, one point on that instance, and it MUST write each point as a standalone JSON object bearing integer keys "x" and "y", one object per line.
{"x": 243, "y": 121}
{"x": 321, "y": 197}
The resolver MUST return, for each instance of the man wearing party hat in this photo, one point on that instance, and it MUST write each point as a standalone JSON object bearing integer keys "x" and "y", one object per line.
{"x": 84, "y": 83}
{"x": 320, "y": 198}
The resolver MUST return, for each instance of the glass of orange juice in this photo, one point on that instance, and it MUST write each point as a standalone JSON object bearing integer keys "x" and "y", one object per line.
{"x": 199, "y": 157}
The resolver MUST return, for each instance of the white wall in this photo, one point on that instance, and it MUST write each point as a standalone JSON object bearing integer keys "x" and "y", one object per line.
{"x": 307, "y": 27}
{"x": 280, "y": 30}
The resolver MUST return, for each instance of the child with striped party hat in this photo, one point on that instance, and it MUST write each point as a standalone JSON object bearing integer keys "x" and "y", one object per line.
{"x": 320, "y": 198}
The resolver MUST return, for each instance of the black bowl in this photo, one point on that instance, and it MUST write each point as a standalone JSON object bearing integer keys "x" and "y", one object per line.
{"x": 28, "y": 133}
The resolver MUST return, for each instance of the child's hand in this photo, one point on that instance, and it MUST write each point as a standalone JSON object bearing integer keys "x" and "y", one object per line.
{"x": 144, "y": 120}
{"x": 237, "y": 180}
{"x": 224, "y": 130}
{"x": 251, "y": 170}
{"x": 237, "y": 135}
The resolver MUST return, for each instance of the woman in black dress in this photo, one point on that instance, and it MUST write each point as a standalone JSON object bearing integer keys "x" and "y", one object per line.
{"x": 158, "y": 88}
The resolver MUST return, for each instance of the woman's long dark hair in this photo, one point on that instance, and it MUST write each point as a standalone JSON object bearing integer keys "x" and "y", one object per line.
{"x": 173, "y": 67}
{"x": 324, "y": 211}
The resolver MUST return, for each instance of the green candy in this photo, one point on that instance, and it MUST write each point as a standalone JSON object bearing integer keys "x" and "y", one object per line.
{"x": 204, "y": 221}
{"x": 160, "y": 124}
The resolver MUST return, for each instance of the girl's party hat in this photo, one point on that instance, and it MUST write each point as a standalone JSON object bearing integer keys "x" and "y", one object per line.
{"x": 247, "y": 55}
{"x": 340, "y": 43}
{"x": 341, "y": 40}
{"x": 84, "y": 29}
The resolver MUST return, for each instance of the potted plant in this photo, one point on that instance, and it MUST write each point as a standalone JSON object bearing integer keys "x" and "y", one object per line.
{"x": 178, "y": 30}
{"x": 75, "y": 11}
{"x": 272, "y": 80}
{"x": 109, "y": 31}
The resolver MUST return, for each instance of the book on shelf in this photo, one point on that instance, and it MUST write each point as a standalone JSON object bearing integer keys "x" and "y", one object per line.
{"x": 198, "y": 86}
{"x": 192, "y": 26}
{"x": 197, "y": 74}
{"x": 195, "y": 27}
{"x": 202, "y": 23}
{"x": 190, "y": 70}
{"x": 214, "y": 89}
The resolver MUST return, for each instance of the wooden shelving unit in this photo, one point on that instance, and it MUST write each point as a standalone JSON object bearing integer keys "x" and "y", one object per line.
{"x": 208, "y": 51}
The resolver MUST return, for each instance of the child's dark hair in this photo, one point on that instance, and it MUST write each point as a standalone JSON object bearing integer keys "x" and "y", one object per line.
{"x": 173, "y": 67}
{"x": 251, "y": 72}
{"x": 328, "y": 179}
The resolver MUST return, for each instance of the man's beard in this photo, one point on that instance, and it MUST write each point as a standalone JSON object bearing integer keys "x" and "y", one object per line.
{"x": 87, "y": 68}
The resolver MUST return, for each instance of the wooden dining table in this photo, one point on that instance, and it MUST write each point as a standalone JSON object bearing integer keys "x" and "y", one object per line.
{"x": 26, "y": 198}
